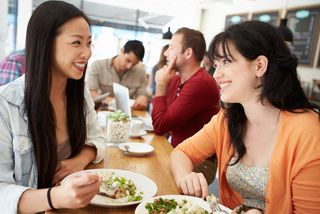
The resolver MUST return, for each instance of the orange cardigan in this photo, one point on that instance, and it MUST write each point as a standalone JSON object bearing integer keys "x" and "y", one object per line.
{"x": 294, "y": 169}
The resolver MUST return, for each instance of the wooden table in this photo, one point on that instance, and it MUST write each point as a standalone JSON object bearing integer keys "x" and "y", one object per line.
{"x": 156, "y": 166}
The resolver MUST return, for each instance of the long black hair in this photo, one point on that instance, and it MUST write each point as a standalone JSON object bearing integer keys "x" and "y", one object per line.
{"x": 41, "y": 31}
{"x": 280, "y": 84}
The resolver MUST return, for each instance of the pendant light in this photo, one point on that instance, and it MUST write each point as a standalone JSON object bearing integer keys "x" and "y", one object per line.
{"x": 167, "y": 35}
{"x": 284, "y": 30}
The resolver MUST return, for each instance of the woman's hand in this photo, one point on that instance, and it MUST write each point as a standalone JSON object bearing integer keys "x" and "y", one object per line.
{"x": 194, "y": 184}
{"x": 76, "y": 191}
{"x": 75, "y": 164}
{"x": 68, "y": 167}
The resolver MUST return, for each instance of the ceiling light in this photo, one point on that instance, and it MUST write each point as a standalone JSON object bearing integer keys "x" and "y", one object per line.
{"x": 167, "y": 35}
{"x": 285, "y": 31}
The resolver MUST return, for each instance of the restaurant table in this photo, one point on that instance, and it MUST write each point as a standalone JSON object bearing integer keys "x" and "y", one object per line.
{"x": 156, "y": 166}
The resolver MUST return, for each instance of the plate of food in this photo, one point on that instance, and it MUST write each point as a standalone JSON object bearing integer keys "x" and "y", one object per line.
{"x": 174, "y": 204}
{"x": 121, "y": 187}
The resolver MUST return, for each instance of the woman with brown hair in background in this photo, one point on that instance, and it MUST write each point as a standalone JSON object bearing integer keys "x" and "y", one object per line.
{"x": 162, "y": 62}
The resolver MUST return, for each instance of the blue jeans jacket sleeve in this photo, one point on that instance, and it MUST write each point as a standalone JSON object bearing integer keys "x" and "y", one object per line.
{"x": 11, "y": 178}
{"x": 10, "y": 195}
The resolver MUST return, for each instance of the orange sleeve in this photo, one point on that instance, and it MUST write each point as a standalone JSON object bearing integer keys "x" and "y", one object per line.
{"x": 305, "y": 183}
{"x": 306, "y": 189}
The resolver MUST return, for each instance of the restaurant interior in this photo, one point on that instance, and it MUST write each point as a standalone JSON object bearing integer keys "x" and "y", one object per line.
{"x": 153, "y": 22}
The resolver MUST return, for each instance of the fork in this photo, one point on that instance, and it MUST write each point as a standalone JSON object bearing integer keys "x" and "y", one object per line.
{"x": 218, "y": 208}
{"x": 126, "y": 147}
{"x": 214, "y": 205}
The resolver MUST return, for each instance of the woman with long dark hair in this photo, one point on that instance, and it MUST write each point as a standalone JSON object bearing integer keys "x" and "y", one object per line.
{"x": 48, "y": 126}
{"x": 267, "y": 135}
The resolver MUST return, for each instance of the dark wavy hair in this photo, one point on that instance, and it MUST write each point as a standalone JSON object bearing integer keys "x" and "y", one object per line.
{"x": 280, "y": 84}
{"x": 42, "y": 29}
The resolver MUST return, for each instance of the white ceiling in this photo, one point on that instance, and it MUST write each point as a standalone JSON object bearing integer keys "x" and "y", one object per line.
{"x": 147, "y": 15}
{"x": 102, "y": 12}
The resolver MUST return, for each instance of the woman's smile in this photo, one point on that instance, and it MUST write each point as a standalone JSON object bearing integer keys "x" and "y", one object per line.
{"x": 80, "y": 66}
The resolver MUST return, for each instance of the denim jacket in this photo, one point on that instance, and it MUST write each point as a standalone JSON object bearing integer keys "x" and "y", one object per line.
{"x": 18, "y": 169}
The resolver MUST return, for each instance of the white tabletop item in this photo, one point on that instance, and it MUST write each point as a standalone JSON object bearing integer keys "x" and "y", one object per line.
{"x": 135, "y": 127}
{"x": 136, "y": 149}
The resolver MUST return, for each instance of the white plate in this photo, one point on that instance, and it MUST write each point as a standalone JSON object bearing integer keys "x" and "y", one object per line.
{"x": 194, "y": 200}
{"x": 141, "y": 133}
{"x": 137, "y": 149}
{"x": 143, "y": 183}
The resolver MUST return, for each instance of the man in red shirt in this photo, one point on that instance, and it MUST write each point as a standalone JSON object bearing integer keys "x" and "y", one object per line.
{"x": 186, "y": 96}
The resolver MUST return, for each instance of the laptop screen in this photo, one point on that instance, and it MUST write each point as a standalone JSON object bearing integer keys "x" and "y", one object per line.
{"x": 121, "y": 95}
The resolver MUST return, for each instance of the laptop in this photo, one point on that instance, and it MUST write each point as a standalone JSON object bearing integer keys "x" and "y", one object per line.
{"x": 121, "y": 95}
{"x": 123, "y": 102}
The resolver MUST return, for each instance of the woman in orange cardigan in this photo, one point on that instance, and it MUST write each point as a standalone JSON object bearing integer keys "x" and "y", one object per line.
{"x": 267, "y": 135}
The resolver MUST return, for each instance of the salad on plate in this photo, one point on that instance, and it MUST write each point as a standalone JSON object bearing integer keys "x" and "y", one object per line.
{"x": 172, "y": 206}
{"x": 118, "y": 188}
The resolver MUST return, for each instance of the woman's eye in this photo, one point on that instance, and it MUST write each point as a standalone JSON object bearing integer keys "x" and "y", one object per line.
{"x": 90, "y": 44}
{"x": 225, "y": 61}
{"x": 76, "y": 43}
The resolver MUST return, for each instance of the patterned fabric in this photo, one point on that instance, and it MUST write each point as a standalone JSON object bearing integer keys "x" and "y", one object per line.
{"x": 249, "y": 182}
{"x": 12, "y": 67}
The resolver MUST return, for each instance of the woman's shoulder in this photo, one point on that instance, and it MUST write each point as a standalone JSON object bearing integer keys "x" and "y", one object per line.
{"x": 299, "y": 138}
{"x": 219, "y": 122}
{"x": 13, "y": 92}
{"x": 300, "y": 129}
{"x": 301, "y": 118}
